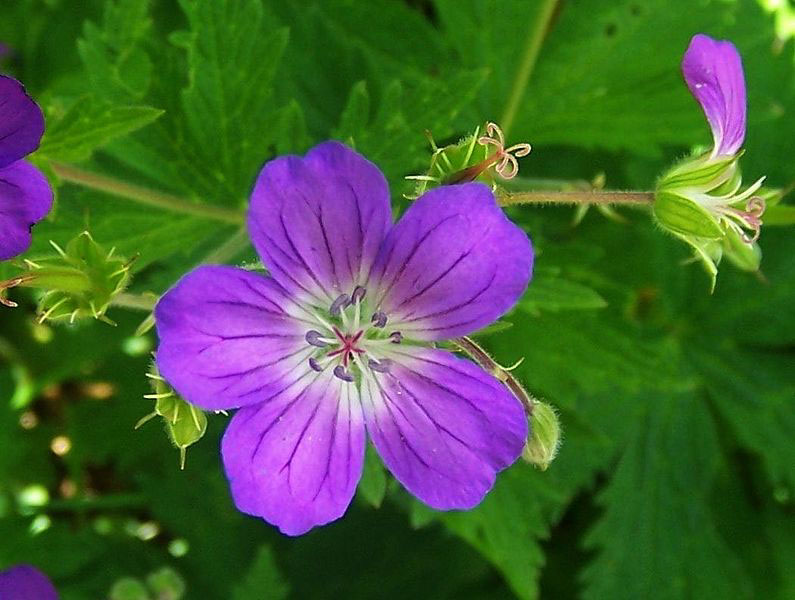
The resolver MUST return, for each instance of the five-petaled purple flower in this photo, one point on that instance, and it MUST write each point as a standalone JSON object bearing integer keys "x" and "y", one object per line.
{"x": 25, "y": 194}
{"x": 25, "y": 582}
{"x": 713, "y": 71}
{"x": 339, "y": 340}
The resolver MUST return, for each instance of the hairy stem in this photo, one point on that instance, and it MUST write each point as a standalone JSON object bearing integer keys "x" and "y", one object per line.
{"x": 480, "y": 356}
{"x": 229, "y": 249}
{"x": 529, "y": 59}
{"x": 144, "y": 302}
{"x": 144, "y": 195}
{"x": 584, "y": 197}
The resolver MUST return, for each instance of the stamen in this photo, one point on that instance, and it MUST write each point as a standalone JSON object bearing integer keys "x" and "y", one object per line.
{"x": 396, "y": 337}
{"x": 315, "y": 365}
{"x": 341, "y": 373}
{"x": 380, "y": 366}
{"x": 358, "y": 294}
{"x": 315, "y": 338}
{"x": 379, "y": 319}
{"x": 342, "y": 301}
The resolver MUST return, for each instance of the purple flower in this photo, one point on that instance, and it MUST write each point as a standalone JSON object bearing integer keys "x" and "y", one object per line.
{"x": 25, "y": 582}
{"x": 713, "y": 71}
{"x": 339, "y": 340}
{"x": 25, "y": 195}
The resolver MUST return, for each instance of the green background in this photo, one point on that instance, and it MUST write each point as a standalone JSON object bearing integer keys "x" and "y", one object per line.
{"x": 677, "y": 468}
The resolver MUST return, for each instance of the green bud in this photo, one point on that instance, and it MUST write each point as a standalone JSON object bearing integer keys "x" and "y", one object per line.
{"x": 166, "y": 584}
{"x": 481, "y": 156}
{"x": 744, "y": 256}
{"x": 185, "y": 424}
{"x": 544, "y": 439}
{"x": 79, "y": 283}
{"x": 682, "y": 216}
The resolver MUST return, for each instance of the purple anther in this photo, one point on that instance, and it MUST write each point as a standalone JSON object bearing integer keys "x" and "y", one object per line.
{"x": 341, "y": 373}
{"x": 380, "y": 366}
{"x": 358, "y": 294}
{"x": 314, "y": 364}
{"x": 343, "y": 301}
{"x": 313, "y": 338}
{"x": 379, "y": 319}
{"x": 396, "y": 337}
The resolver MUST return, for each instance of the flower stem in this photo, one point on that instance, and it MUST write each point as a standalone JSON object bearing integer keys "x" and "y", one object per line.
{"x": 529, "y": 59}
{"x": 584, "y": 197}
{"x": 229, "y": 249}
{"x": 144, "y": 302}
{"x": 480, "y": 356}
{"x": 144, "y": 195}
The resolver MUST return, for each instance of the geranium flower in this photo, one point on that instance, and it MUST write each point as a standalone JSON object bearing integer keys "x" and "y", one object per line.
{"x": 701, "y": 199}
{"x": 25, "y": 194}
{"x": 713, "y": 71}
{"x": 25, "y": 582}
{"x": 340, "y": 340}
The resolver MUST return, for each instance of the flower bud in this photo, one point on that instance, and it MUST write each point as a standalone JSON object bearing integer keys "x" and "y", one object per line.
{"x": 185, "y": 424}
{"x": 544, "y": 439}
{"x": 79, "y": 283}
{"x": 475, "y": 157}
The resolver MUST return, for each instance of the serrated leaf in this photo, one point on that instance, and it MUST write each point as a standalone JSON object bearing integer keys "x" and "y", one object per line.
{"x": 656, "y": 538}
{"x": 232, "y": 55}
{"x": 88, "y": 125}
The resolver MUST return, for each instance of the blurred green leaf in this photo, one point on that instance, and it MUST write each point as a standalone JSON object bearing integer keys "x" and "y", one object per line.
{"x": 263, "y": 579}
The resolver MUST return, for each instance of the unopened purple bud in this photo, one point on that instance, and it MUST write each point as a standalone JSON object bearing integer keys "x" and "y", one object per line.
{"x": 380, "y": 366}
{"x": 313, "y": 338}
{"x": 314, "y": 364}
{"x": 341, "y": 302}
{"x": 358, "y": 294}
{"x": 396, "y": 337}
{"x": 341, "y": 373}
{"x": 379, "y": 319}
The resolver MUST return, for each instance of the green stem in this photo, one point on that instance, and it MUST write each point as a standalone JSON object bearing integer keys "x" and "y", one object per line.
{"x": 480, "y": 356}
{"x": 144, "y": 302}
{"x": 529, "y": 59}
{"x": 229, "y": 249}
{"x": 144, "y": 195}
{"x": 589, "y": 197}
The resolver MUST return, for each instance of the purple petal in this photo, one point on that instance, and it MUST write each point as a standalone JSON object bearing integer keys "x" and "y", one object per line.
{"x": 25, "y": 582}
{"x": 229, "y": 338}
{"x": 295, "y": 461}
{"x": 443, "y": 426}
{"x": 25, "y": 199}
{"x": 21, "y": 122}
{"x": 713, "y": 71}
{"x": 453, "y": 264}
{"x": 317, "y": 221}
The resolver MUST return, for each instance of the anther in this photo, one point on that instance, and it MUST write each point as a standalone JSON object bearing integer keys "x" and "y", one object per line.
{"x": 396, "y": 337}
{"x": 343, "y": 301}
{"x": 341, "y": 373}
{"x": 314, "y": 364}
{"x": 379, "y": 319}
{"x": 380, "y": 366}
{"x": 358, "y": 294}
{"x": 313, "y": 338}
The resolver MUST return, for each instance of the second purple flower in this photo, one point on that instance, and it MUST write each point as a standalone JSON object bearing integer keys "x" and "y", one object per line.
{"x": 338, "y": 342}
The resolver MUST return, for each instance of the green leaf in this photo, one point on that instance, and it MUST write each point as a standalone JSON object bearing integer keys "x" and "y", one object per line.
{"x": 656, "y": 538}
{"x": 89, "y": 124}
{"x": 372, "y": 485}
{"x": 549, "y": 292}
{"x": 263, "y": 579}
{"x": 117, "y": 65}
{"x": 233, "y": 52}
